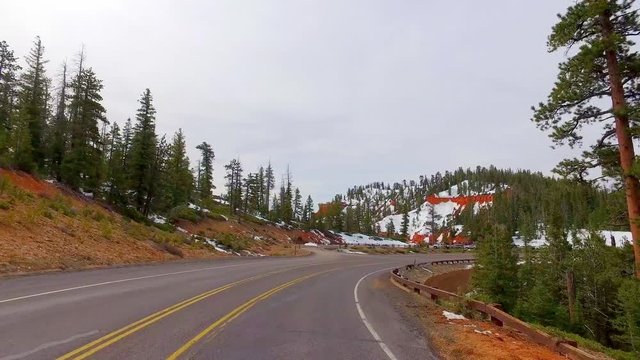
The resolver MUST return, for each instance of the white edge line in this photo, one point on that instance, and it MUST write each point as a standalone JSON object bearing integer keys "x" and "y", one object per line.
{"x": 114, "y": 282}
{"x": 366, "y": 322}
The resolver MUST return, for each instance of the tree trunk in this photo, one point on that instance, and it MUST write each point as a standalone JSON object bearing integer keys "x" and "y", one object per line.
{"x": 625, "y": 141}
{"x": 571, "y": 296}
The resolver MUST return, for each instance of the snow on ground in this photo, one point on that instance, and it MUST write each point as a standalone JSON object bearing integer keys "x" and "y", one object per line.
{"x": 222, "y": 201}
{"x": 420, "y": 218}
{"x": 182, "y": 230}
{"x": 452, "y": 316}
{"x": 361, "y": 239}
{"x": 319, "y": 236}
{"x": 347, "y": 251}
{"x": 621, "y": 238}
{"x": 257, "y": 216}
{"x": 157, "y": 219}
{"x": 198, "y": 208}
{"x": 311, "y": 244}
{"x": 216, "y": 246}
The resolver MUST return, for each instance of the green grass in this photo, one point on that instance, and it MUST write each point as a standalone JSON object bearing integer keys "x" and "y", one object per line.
{"x": 219, "y": 209}
{"x": 59, "y": 204}
{"x": 5, "y": 185}
{"x": 5, "y": 205}
{"x": 48, "y": 214}
{"x": 252, "y": 219}
{"x": 234, "y": 242}
{"x": 588, "y": 343}
{"x": 183, "y": 212}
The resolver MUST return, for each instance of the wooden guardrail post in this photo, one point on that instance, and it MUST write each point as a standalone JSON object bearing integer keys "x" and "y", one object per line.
{"x": 495, "y": 320}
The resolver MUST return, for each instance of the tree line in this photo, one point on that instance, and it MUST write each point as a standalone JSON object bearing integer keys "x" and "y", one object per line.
{"x": 577, "y": 283}
{"x": 59, "y": 129}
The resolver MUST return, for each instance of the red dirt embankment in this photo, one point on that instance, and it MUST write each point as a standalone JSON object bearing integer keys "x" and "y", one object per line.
{"x": 455, "y": 281}
{"x": 43, "y": 227}
{"x": 46, "y": 226}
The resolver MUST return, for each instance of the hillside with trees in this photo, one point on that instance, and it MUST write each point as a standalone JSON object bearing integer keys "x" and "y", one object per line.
{"x": 56, "y": 128}
{"x": 577, "y": 283}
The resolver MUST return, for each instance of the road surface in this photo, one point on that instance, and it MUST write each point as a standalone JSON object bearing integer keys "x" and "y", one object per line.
{"x": 325, "y": 306}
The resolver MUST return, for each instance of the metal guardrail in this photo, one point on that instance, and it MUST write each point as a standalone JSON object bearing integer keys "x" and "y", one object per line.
{"x": 493, "y": 311}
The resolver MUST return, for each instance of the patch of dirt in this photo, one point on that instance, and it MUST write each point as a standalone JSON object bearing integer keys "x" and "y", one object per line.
{"x": 42, "y": 228}
{"x": 456, "y": 281}
{"x": 29, "y": 183}
{"x": 472, "y": 339}
{"x": 261, "y": 238}
{"x": 45, "y": 226}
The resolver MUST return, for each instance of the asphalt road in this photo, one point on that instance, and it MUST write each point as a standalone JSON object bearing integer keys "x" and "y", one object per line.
{"x": 326, "y": 306}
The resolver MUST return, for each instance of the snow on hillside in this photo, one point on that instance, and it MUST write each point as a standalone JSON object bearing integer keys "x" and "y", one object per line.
{"x": 439, "y": 212}
{"x": 361, "y": 239}
{"x": 621, "y": 238}
{"x": 420, "y": 219}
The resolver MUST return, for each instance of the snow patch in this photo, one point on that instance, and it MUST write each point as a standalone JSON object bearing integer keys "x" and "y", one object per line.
{"x": 621, "y": 238}
{"x": 452, "y": 316}
{"x": 361, "y": 239}
{"x": 157, "y": 219}
{"x": 486, "y": 332}
{"x": 198, "y": 208}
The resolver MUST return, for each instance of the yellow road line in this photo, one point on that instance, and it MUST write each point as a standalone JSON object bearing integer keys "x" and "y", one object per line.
{"x": 218, "y": 324}
{"x": 117, "y": 335}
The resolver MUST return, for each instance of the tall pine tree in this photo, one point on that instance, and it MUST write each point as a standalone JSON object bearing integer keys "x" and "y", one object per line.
{"x": 606, "y": 64}
{"x": 8, "y": 94}
{"x": 82, "y": 165}
{"x": 28, "y": 147}
{"x": 143, "y": 152}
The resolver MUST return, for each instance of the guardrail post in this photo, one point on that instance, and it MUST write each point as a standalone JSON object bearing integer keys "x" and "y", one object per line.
{"x": 494, "y": 319}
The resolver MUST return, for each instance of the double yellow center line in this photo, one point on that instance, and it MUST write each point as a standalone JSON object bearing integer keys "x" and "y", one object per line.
{"x": 218, "y": 324}
{"x": 115, "y": 336}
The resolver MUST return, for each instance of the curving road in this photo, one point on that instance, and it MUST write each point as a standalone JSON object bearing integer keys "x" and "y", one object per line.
{"x": 326, "y": 306}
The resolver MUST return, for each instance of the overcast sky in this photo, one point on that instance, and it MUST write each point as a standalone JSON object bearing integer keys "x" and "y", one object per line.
{"x": 346, "y": 92}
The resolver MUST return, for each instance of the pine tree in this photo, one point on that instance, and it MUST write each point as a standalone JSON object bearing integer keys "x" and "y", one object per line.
{"x": 32, "y": 114}
{"x": 8, "y": 94}
{"x": 234, "y": 184}
{"x": 179, "y": 178}
{"x": 59, "y": 128}
{"x": 605, "y": 65}
{"x": 297, "y": 205}
{"x": 115, "y": 179}
{"x": 206, "y": 172}
{"x": 286, "y": 198}
{"x": 127, "y": 140}
{"x": 82, "y": 166}
{"x": 156, "y": 199}
{"x": 269, "y": 185}
{"x": 307, "y": 213}
{"x": 391, "y": 229}
{"x": 627, "y": 321}
{"x": 496, "y": 274}
{"x": 263, "y": 203}
{"x": 143, "y": 152}
{"x": 404, "y": 226}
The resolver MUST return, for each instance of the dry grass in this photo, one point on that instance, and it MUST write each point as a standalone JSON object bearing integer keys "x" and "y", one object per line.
{"x": 42, "y": 228}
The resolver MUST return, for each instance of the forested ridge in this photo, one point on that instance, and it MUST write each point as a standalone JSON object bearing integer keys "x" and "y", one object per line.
{"x": 57, "y": 127}
{"x": 530, "y": 194}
